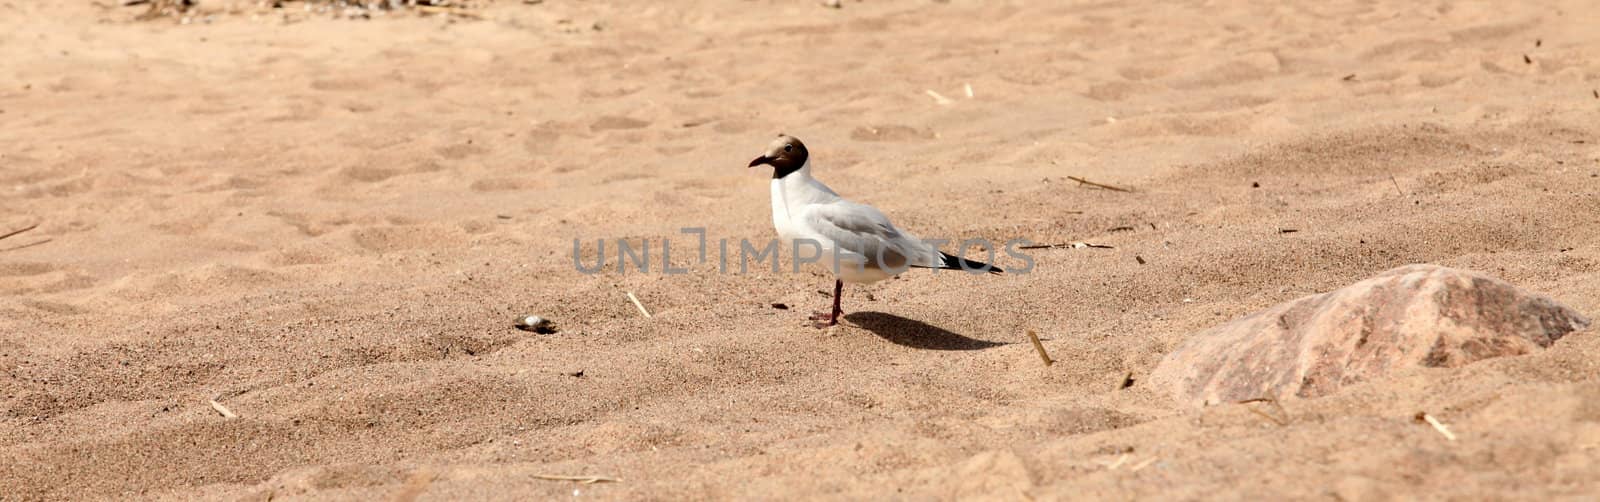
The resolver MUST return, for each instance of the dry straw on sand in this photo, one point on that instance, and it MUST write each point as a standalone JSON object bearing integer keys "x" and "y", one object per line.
{"x": 636, "y": 303}
{"x": 222, "y": 410}
{"x": 19, "y": 231}
{"x": 587, "y": 480}
{"x": 1437, "y": 425}
{"x": 157, "y": 9}
{"x": 1043, "y": 356}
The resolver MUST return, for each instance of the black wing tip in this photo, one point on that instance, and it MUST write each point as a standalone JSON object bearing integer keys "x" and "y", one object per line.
{"x": 959, "y": 263}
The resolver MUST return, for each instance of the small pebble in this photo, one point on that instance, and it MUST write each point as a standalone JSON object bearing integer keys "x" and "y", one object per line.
{"x": 780, "y": 306}
{"x": 535, "y": 324}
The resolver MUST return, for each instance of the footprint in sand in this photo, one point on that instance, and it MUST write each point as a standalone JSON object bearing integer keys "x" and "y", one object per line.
{"x": 1250, "y": 67}
{"x": 400, "y": 238}
{"x": 341, "y": 84}
{"x": 610, "y": 92}
{"x": 1140, "y": 72}
{"x": 613, "y": 122}
{"x": 309, "y": 225}
{"x": 22, "y": 269}
{"x": 57, "y": 308}
{"x": 540, "y": 140}
{"x": 508, "y": 184}
{"x": 1492, "y": 32}
{"x": 54, "y": 281}
{"x": 379, "y": 169}
{"x": 302, "y": 254}
{"x": 1118, "y": 91}
{"x": 733, "y": 126}
{"x": 1434, "y": 80}
{"x": 368, "y": 173}
{"x": 674, "y": 150}
{"x": 460, "y": 151}
{"x": 295, "y": 109}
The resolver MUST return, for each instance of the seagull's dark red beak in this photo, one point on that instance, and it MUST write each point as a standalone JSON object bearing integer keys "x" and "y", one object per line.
{"x": 760, "y": 160}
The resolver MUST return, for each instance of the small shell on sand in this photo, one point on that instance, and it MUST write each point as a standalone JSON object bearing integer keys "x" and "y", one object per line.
{"x": 535, "y": 324}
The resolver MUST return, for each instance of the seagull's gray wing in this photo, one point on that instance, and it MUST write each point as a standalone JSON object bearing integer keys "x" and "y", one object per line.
{"x": 863, "y": 230}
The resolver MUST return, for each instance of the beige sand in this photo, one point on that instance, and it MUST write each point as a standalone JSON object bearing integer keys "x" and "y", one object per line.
{"x": 329, "y": 226}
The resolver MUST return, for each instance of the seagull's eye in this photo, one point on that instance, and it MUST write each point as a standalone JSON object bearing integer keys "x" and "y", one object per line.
{"x": 788, "y": 148}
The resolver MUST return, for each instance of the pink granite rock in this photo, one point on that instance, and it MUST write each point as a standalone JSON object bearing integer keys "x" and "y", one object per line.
{"x": 1416, "y": 315}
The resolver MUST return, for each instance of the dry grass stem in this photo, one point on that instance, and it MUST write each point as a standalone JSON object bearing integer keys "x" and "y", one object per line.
{"x": 1040, "y": 347}
{"x": 1141, "y": 465}
{"x": 1120, "y": 460}
{"x": 449, "y": 10}
{"x": 28, "y": 245}
{"x": 1437, "y": 425}
{"x": 1065, "y": 245}
{"x": 1098, "y": 185}
{"x": 588, "y": 480}
{"x": 1274, "y": 419}
{"x": 20, "y": 230}
{"x": 223, "y": 410}
{"x": 1127, "y": 381}
{"x": 636, "y": 303}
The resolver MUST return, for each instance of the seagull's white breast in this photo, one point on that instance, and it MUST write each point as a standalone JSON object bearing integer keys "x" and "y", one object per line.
{"x": 792, "y": 195}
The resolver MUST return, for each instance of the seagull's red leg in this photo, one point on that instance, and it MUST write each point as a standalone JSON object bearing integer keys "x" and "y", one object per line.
{"x": 833, "y": 318}
{"x": 838, "y": 291}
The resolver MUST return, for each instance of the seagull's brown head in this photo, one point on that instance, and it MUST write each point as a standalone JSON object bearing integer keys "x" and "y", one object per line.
{"x": 786, "y": 155}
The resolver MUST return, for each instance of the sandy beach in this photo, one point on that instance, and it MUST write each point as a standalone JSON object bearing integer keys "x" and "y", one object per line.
{"x": 328, "y": 226}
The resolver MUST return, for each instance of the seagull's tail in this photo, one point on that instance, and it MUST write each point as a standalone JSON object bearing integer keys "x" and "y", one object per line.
{"x": 958, "y": 263}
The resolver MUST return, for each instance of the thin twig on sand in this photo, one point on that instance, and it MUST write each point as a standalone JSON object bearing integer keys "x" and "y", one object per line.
{"x": 1274, "y": 402}
{"x": 1423, "y": 416}
{"x": 20, "y": 230}
{"x": 1044, "y": 356}
{"x": 1098, "y": 185}
{"x": 636, "y": 303}
{"x": 1064, "y": 245}
{"x": 1141, "y": 465}
{"x": 444, "y": 9}
{"x": 938, "y": 98}
{"x": 1120, "y": 460}
{"x": 223, "y": 410}
{"x": 1127, "y": 381}
{"x": 588, "y": 480}
{"x": 28, "y": 245}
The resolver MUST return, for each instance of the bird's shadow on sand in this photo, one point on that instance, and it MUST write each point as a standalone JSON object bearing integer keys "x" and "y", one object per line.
{"x": 915, "y": 334}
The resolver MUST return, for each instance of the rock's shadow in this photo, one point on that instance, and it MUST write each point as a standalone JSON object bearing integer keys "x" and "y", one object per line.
{"x": 915, "y": 334}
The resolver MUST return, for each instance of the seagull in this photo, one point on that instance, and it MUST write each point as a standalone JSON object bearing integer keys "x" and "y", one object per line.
{"x": 857, "y": 242}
